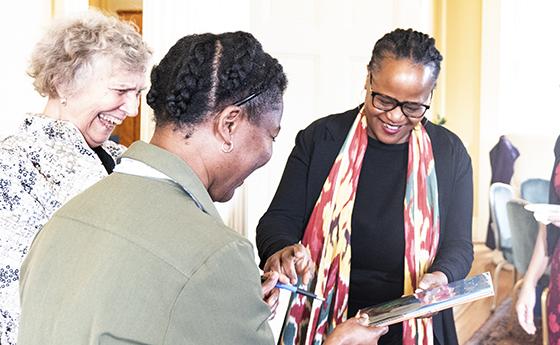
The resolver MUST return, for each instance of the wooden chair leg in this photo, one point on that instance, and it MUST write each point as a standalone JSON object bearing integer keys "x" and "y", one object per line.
{"x": 497, "y": 271}
{"x": 544, "y": 299}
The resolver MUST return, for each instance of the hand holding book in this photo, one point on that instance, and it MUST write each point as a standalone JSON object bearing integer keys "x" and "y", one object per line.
{"x": 430, "y": 301}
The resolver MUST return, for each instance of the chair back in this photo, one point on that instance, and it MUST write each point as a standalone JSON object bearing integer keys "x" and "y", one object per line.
{"x": 535, "y": 190}
{"x": 500, "y": 194}
{"x": 524, "y": 230}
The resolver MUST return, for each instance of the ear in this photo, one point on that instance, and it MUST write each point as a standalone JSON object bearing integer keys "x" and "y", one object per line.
{"x": 367, "y": 79}
{"x": 227, "y": 122}
{"x": 62, "y": 90}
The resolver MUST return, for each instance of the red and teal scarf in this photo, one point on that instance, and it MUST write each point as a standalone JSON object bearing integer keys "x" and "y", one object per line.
{"x": 327, "y": 236}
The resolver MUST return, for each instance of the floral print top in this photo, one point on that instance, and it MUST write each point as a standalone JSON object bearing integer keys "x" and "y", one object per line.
{"x": 42, "y": 166}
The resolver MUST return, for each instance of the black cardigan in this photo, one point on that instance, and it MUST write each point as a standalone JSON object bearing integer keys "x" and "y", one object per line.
{"x": 308, "y": 166}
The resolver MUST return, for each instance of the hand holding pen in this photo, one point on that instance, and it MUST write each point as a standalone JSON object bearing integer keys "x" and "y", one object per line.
{"x": 292, "y": 288}
{"x": 270, "y": 293}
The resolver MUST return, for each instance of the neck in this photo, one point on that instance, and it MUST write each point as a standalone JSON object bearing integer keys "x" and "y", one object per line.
{"x": 53, "y": 109}
{"x": 189, "y": 150}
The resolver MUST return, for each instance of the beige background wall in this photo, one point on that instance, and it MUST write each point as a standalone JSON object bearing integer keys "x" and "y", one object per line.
{"x": 115, "y": 5}
{"x": 458, "y": 33}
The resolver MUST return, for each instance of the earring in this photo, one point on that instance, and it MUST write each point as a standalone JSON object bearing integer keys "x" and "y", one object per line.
{"x": 228, "y": 149}
{"x": 63, "y": 101}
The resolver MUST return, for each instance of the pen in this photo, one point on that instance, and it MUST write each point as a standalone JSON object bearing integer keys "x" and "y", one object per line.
{"x": 295, "y": 289}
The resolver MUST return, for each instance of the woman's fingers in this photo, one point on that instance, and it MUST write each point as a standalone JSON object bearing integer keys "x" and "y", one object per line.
{"x": 433, "y": 279}
{"x": 288, "y": 264}
{"x": 524, "y": 309}
{"x": 271, "y": 294}
{"x": 270, "y": 280}
{"x": 293, "y": 262}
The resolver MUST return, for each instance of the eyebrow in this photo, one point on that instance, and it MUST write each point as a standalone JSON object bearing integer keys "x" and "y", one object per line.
{"x": 128, "y": 87}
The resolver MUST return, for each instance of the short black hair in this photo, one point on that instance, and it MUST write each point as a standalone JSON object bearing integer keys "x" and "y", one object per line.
{"x": 407, "y": 44}
{"x": 202, "y": 74}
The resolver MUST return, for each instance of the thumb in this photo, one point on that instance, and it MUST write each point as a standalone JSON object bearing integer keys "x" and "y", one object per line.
{"x": 381, "y": 330}
{"x": 299, "y": 251}
{"x": 271, "y": 278}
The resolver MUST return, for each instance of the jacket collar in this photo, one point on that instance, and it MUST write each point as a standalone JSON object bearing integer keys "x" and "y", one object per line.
{"x": 174, "y": 167}
{"x": 339, "y": 127}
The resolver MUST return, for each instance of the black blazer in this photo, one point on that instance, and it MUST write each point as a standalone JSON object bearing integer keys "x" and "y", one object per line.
{"x": 308, "y": 166}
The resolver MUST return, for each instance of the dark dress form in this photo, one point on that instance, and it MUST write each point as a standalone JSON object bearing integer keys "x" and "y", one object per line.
{"x": 502, "y": 158}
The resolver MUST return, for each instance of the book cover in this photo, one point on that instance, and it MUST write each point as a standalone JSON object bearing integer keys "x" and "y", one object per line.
{"x": 431, "y": 300}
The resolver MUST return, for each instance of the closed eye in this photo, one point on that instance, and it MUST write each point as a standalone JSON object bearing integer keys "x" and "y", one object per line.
{"x": 122, "y": 92}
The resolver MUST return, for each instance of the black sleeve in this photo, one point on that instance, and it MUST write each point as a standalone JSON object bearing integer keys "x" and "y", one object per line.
{"x": 455, "y": 253}
{"x": 284, "y": 221}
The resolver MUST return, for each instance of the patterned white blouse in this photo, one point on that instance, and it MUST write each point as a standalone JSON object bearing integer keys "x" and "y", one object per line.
{"x": 42, "y": 166}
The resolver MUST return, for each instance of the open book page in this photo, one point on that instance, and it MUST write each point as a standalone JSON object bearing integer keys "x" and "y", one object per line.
{"x": 431, "y": 300}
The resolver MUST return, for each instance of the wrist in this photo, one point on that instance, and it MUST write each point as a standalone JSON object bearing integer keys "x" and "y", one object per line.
{"x": 529, "y": 282}
{"x": 335, "y": 339}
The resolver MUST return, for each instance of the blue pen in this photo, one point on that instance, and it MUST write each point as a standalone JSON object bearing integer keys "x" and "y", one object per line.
{"x": 295, "y": 289}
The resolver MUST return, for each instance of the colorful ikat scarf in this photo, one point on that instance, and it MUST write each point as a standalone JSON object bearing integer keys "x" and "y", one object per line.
{"x": 327, "y": 236}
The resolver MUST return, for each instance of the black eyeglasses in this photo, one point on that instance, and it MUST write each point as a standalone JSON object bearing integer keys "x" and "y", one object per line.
{"x": 247, "y": 99}
{"x": 387, "y": 103}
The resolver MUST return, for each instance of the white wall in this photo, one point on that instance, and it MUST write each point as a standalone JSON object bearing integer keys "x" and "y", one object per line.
{"x": 22, "y": 24}
{"x": 20, "y": 28}
{"x": 520, "y": 87}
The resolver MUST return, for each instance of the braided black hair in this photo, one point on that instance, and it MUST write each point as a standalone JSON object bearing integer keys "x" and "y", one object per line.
{"x": 203, "y": 74}
{"x": 407, "y": 44}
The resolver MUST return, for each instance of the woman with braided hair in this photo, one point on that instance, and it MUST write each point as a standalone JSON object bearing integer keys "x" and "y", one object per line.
{"x": 151, "y": 262}
{"x": 375, "y": 202}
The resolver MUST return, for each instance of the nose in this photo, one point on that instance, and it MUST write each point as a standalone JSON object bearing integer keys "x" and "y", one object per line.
{"x": 396, "y": 114}
{"x": 130, "y": 105}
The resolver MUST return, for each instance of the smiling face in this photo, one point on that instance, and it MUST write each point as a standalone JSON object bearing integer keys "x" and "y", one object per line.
{"x": 108, "y": 95}
{"x": 404, "y": 81}
{"x": 253, "y": 143}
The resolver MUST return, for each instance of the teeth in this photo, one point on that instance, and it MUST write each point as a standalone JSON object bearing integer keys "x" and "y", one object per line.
{"x": 111, "y": 119}
{"x": 391, "y": 126}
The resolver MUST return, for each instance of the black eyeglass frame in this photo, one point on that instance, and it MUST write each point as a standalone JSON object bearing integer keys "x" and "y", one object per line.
{"x": 247, "y": 99}
{"x": 396, "y": 101}
{"x": 400, "y": 104}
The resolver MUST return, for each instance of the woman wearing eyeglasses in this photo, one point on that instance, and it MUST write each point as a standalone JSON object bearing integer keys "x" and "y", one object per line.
{"x": 374, "y": 203}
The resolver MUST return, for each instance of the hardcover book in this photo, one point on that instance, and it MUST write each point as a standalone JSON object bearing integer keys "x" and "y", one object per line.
{"x": 430, "y": 301}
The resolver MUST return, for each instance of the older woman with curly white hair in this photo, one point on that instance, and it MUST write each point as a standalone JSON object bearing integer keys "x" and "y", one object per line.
{"x": 92, "y": 69}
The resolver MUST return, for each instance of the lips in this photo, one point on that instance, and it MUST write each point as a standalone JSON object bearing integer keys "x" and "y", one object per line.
{"x": 391, "y": 129}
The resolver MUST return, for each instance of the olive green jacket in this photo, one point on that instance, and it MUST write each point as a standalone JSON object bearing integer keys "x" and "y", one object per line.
{"x": 133, "y": 260}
